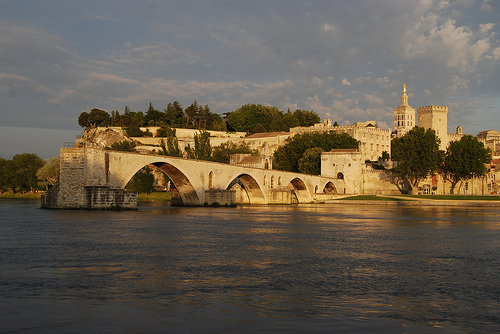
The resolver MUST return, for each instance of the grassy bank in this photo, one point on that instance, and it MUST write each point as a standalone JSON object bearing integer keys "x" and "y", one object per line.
{"x": 156, "y": 196}
{"x": 22, "y": 196}
{"x": 455, "y": 197}
{"x": 423, "y": 197}
{"x": 372, "y": 198}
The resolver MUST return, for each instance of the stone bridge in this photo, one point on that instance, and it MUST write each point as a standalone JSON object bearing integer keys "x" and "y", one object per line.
{"x": 93, "y": 178}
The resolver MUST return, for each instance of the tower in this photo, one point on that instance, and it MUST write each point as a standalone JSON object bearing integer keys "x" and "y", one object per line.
{"x": 436, "y": 118}
{"x": 404, "y": 116}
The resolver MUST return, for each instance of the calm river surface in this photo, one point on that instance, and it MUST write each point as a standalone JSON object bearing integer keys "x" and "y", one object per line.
{"x": 263, "y": 269}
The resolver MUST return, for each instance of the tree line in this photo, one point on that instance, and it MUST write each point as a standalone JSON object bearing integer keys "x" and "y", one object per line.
{"x": 418, "y": 156}
{"x": 250, "y": 118}
{"x": 27, "y": 172}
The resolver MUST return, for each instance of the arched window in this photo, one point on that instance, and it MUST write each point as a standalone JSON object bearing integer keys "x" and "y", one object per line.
{"x": 279, "y": 181}
{"x": 340, "y": 176}
{"x": 210, "y": 180}
{"x": 266, "y": 166}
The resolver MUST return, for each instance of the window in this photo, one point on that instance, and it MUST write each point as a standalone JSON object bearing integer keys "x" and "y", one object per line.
{"x": 210, "y": 180}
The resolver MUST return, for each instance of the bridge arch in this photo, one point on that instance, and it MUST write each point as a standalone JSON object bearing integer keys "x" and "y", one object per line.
{"x": 185, "y": 189}
{"x": 330, "y": 189}
{"x": 252, "y": 192}
{"x": 301, "y": 190}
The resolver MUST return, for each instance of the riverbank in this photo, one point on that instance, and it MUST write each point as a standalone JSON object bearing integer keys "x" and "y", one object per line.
{"x": 420, "y": 200}
{"x": 36, "y": 195}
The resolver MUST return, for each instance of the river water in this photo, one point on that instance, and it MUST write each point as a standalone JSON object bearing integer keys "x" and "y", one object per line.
{"x": 251, "y": 269}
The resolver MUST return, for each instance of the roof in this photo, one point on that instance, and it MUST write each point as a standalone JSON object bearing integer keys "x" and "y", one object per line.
{"x": 250, "y": 160}
{"x": 267, "y": 135}
{"x": 344, "y": 150}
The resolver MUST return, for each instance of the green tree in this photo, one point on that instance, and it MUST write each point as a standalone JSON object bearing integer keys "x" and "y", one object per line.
{"x": 191, "y": 113}
{"x": 3, "y": 176}
{"x": 49, "y": 173}
{"x": 125, "y": 146}
{"x": 287, "y": 156}
{"x": 465, "y": 159}
{"x": 222, "y": 153}
{"x": 306, "y": 118}
{"x": 385, "y": 156}
{"x": 98, "y": 117}
{"x": 310, "y": 162}
{"x": 202, "y": 149}
{"x": 417, "y": 154}
{"x": 142, "y": 182}
{"x": 133, "y": 130}
{"x": 83, "y": 120}
{"x": 23, "y": 169}
{"x": 153, "y": 116}
{"x": 174, "y": 115}
{"x": 172, "y": 147}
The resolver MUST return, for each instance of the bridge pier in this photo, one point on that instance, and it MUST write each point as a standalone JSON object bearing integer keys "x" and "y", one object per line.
{"x": 83, "y": 184}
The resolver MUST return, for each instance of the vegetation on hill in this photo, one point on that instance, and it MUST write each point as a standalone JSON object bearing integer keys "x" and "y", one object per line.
{"x": 250, "y": 118}
{"x": 254, "y": 118}
{"x": 301, "y": 153}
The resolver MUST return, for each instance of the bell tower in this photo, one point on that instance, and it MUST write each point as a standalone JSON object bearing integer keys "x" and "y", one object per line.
{"x": 404, "y": 116}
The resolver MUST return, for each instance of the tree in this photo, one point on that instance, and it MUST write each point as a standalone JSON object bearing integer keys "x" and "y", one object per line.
{"x": 172, "y": 148}
{"x": 153, "y": 116}
{"x": 222, "y": 153}
{"x": 306, "y": 118}
{"x": 191, "y": 113}
{"x": 287, "y": 156}
{"x": 417, "y": 154}
{"x": 465, "y": 159}
{"x": 3, "y": 175}
{"x": 142, "y": 182}
{"x": 125, "y": 146}
{"x": 23, "y": 169}
{"x": 254, "y": 118}
{"x": 49, "y": 173}
{"x": 98, "y": 117}
{"x": 310, "y": 162}
{"x": 202, "y": 149}
{"x": 83, "y": 120}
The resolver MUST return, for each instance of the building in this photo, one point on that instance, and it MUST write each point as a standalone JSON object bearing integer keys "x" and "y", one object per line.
{"x": 436, "y": 118}
{"x": 373, "y": 140}
{"x": 491, "y": 139}
{"x": 404, "y": 116}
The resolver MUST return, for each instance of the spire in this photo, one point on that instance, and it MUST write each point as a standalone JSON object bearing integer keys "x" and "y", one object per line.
{"x": 404, "y": 97}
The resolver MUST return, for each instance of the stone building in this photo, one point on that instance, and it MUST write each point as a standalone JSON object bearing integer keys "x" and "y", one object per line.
{"x": 373, "y": 140}
{"x": 491, "y": 139}
{"x": 404, "y": 116}
{"x": 436, "y": 118}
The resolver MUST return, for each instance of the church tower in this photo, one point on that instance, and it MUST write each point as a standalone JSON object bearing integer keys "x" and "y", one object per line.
{"x": 436, "y": 118}
{"x": 404, "y": 116}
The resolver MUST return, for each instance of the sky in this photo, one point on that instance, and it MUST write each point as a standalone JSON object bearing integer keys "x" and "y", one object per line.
{"x": 345, "y": 60}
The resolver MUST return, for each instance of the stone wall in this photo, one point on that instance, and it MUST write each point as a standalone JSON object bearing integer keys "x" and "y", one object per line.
{"x": 102, "y": 197}
{"x": 220, "y": 197}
